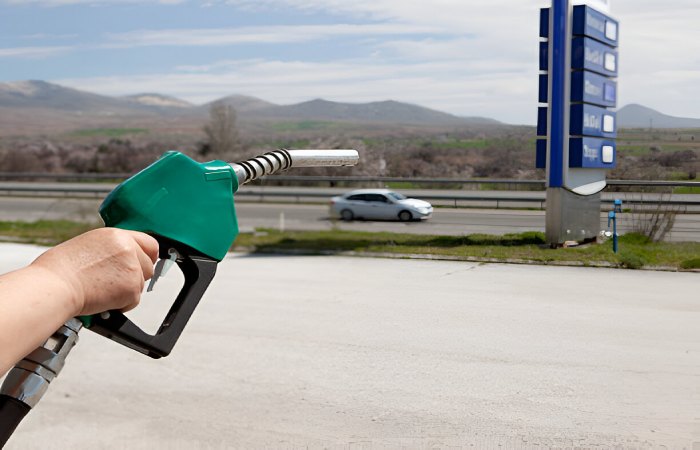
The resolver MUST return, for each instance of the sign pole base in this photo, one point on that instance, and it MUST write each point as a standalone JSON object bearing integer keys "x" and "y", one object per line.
{"x": 571, "y": 217}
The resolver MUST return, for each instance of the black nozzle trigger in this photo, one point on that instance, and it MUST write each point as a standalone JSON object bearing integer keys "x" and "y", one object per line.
{"x": 198, "y": 270}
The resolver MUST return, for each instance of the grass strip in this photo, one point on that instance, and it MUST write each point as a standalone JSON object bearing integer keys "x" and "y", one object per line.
{"x": 109, "y": 132}
{"x": 635, "y": 251}
{"x": 42, "y": 232}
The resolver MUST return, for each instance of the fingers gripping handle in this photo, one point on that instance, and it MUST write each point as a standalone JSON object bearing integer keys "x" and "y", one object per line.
{"x": 198, "y": 270}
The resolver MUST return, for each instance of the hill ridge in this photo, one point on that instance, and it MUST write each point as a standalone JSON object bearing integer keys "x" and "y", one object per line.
{"x": 635, "y": 115}
{"x": 42, "y": 94}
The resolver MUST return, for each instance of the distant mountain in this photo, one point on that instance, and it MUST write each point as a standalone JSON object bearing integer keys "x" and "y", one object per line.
{"x": 243, "y": 103}
{"x": 58, "y": 99}
{"x": 638, "y": 116}
{"x": 386, "y": 111}
{"x": 389, "y": 111}
{"x": 158, "y": 100}
{"x": 40, "y": 94}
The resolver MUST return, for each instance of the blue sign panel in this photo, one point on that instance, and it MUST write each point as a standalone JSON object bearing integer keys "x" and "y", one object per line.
{"x": 589, "y": 87}
{"x": 589, "y": 54}
{"x": 592, "y": 153}
{"x": 544, "y": 56}
{"x": 586, "y": 22}
{"x": 586, "y": 87}
{"x": 542, "y": 121}
{"x": 584, "y": 120}
{"x": 541, "y": 155}
{"x": 544, "y": 22}
{"x": 589, "y": 120}
{"x": 591, "y": 23}
{"x": 542, "y": 93}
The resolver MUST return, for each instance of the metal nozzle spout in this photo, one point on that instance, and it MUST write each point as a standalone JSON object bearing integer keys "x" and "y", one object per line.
{"x": 279, "y": 160}
{"x": 29, "y": 379}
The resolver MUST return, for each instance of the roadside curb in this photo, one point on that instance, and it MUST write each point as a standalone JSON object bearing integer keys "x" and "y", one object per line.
{"x": 475, "y": 259}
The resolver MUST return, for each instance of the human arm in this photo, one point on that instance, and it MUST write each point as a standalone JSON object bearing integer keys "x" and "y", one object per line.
{"x": 97, "y": 271}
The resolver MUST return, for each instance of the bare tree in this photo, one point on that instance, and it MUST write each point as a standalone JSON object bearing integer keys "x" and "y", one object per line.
{"x": 223, "y": 140}
{"x": 654, "y": 221}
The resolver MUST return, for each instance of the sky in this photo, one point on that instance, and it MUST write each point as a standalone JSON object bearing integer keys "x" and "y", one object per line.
{"x": 465, "y": 57}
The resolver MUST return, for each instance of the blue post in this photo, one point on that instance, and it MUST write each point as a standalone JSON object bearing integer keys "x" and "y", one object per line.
{"x": 558, "y": 71}
{"x": 618, "y": 205}
{"x": 611, "y": 216}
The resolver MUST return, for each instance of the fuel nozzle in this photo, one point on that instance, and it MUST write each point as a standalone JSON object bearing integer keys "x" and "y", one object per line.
{"x": 279, "y": 160}
{"x": 189, "y": 207}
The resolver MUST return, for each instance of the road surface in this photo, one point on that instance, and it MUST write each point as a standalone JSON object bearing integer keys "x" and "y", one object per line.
{"x": 445, "y": 221}
{"x": 335, "y": 352}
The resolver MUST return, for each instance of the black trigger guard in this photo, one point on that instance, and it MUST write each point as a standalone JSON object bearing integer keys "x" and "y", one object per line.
{"x": 198, "y": 270}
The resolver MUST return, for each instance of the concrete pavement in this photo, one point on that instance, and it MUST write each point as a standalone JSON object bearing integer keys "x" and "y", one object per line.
{"x": 335, "y": 352}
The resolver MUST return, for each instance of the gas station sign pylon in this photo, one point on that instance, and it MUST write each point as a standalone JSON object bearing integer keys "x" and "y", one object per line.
{"x": 576, "y": 128}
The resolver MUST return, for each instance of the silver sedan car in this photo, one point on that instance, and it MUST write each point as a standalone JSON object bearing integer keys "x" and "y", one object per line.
{"x": 381, "y": 204}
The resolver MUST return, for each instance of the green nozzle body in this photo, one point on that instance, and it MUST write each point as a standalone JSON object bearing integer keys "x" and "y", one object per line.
{"x": 180, "y": 199}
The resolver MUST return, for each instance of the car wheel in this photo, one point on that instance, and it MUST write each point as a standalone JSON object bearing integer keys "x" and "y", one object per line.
{"x": 347, "y": 215}
{"x": 405, "y": 216}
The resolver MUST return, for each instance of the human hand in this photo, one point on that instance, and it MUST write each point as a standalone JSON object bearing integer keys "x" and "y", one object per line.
{"x": 104, "y": 269}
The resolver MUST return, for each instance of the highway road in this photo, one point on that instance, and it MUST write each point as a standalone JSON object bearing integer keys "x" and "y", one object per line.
{"x": 290, "y": 216}
{"x": 442, "y": 197}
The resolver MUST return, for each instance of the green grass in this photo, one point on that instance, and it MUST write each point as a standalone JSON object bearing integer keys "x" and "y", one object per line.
{"x": 299, "y": 143}
{"x": 304, "y": 125}
{"x": 634, "y": 150}
{"x": 686, "y": 190}
{"x": 635, "y": 250}
{"x": 460, "y": 144}
{"x": 691, "y": 264}
{"x": 44, "y": 232}
{"x": 678, "y": 176}
{"x": 109, "y": 132}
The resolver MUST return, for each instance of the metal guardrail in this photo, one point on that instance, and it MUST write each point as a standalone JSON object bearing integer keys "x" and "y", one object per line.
{"x": 540, "y": 183}
{"x": 62, "y": 176}
{"x": 344, "y": 179}
{"x": 261, "y": 195}
{"x": 652, "y": 183}
{"x": 97, "y": 191}
{"x": 298, "y": 196}
{"x": 468, "y": 198}
{"x": 66, "y": 191}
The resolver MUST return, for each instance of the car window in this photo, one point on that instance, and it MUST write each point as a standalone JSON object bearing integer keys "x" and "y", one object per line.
{"x": 357, "y": 197}
{"x": 397, "y": 196}
{"x": 376, "y": 198}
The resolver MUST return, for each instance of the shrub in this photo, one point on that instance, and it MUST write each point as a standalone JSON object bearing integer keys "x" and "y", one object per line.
{"x": 691, "y": 264}
{"x": 631, "y": 260}
{"x": 654, "y": 221}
